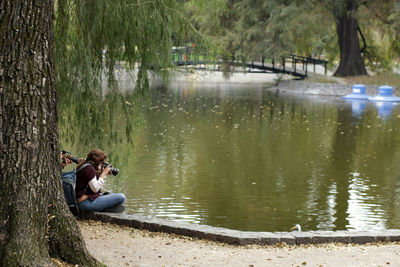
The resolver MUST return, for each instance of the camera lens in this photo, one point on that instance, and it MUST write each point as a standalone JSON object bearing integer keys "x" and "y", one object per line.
{"x": 114, "y": 171}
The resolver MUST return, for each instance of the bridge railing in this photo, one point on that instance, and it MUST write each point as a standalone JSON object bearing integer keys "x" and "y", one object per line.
{"x": 292, "y": 64}
{"x": 306, "y": 61}
{"x": 296, "y": 64}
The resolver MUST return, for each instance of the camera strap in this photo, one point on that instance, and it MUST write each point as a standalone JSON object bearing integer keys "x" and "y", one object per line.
{"x": 82, "y": 167}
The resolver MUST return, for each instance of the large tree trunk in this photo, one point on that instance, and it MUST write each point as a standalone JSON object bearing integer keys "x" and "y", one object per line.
{"x": 351, "y": 62}
{"x": 35, "y": 223}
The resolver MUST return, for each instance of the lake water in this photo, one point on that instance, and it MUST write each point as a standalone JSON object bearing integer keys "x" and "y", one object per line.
{"x": 243, "y": 158}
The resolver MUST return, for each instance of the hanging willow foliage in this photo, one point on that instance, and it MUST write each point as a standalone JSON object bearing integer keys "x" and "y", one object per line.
{"x": 97, "y": 38}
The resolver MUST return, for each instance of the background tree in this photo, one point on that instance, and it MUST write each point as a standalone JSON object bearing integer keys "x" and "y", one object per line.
{"x": 394, "y": 19}
{"x": 347, "y": 27}
{"x": 275, "y": 28}
{"x": 353, "y": 33}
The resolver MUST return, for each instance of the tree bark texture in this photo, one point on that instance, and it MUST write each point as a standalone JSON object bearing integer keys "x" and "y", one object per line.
{"x": 35, "y": 223}
{"x": 351, "y": 62}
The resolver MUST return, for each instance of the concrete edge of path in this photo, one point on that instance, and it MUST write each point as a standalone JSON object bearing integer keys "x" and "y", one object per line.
{"x": 235, "y": 237}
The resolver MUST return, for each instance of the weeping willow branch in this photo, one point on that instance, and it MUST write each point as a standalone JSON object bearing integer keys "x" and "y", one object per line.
{"x": 185, "y": 19}
{"x": 92, "y": 39}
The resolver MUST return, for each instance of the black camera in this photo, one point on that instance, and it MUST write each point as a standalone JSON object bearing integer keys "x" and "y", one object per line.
{"x": 113, "y": 171}
{"x": 68, "y": 155}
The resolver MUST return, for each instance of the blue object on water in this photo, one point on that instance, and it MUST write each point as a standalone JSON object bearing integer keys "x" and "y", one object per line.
{"x": 385, "y": 94}
{"x": 357, "y": 93}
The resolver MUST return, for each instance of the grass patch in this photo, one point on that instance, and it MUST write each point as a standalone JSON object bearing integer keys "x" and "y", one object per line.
{"x": 388, "y": 78}
{"x": 391, "y": 79}
{"x": 317, "y": 78}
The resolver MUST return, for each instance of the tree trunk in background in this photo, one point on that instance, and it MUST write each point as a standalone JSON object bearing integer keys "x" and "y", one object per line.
{"x": 351, "y": 62}
{"x": 35, "y": 223}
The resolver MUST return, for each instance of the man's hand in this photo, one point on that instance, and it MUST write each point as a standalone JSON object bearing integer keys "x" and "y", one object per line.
{"x": 64, "y": 160}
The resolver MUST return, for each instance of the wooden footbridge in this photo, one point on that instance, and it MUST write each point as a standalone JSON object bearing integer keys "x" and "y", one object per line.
{"x": 295, "y": 65}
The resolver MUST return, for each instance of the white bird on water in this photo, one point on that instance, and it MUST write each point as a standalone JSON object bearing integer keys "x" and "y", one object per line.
{"x": 297, "y": 226}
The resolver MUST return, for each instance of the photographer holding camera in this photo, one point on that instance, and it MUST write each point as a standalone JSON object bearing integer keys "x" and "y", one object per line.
{"x": 89, "y": 181}
{"x": 64, "y": 161}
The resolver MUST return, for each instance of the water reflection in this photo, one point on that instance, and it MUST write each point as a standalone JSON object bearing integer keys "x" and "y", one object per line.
{"x": 358, "y": 107}
{"x": 243, "y": 158}
{"x": 362, "y": 205}
{"x": 385, "y": 109}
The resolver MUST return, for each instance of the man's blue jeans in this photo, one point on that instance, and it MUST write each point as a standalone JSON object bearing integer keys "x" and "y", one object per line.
{"x": 102, "y": 202}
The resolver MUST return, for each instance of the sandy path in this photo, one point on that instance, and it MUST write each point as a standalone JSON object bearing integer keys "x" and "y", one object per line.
{"x": 121, "y": 246}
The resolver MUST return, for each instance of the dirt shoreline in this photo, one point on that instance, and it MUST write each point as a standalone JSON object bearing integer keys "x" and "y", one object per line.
{"x": 116, "y": 245}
